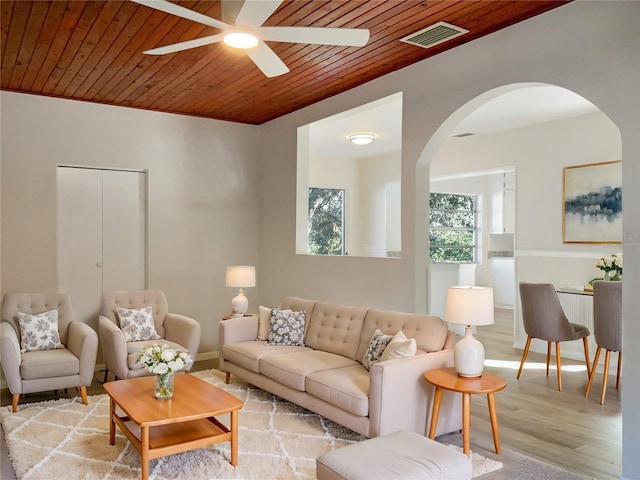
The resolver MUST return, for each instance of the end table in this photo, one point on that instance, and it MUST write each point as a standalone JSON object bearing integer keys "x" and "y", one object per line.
{"x": 448, "y": 379}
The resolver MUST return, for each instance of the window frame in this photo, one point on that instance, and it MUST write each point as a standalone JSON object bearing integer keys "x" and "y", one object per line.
{"x": 475, "y": 230}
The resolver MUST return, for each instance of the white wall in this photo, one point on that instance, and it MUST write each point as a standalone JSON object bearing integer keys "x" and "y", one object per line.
{"x": 202, "y": 196}
{"x": 590, "y": 47}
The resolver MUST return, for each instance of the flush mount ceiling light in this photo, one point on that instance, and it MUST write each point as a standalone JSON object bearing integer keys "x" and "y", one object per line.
{"x": 362, "y": 138}
{"x": 241, "y": 40}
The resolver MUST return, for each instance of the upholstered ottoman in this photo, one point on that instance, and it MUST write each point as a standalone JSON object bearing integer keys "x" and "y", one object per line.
{"x": 399, "y": 455}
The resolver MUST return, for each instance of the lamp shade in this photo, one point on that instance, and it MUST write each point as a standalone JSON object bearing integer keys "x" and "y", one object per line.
{"x": 241, "y": 276}
{"x": 469, "y": 305}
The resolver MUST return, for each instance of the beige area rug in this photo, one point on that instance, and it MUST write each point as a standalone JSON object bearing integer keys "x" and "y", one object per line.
{"x": 64, "y": 439}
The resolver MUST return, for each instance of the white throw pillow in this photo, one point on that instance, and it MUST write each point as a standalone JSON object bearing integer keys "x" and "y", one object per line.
{"x": 287, "y": 327}
{"x": 399, "y": 347}
{"x": 377, "y": 344}
{"x": 137, "y": 324}
{"x": 39, "y": 332}
{"x": 264, "y": 322}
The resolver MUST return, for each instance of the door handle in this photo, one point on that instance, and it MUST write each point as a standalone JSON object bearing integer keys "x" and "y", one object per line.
{"x": 99, "y": 264}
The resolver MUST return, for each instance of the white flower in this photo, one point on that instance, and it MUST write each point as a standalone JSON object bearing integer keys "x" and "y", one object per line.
{"x": 161, "y": 369}
{"x": 168, "y": 354}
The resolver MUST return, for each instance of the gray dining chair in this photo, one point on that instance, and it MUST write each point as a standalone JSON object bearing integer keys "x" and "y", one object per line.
{"x": 607, "y": 329}
{"x": 544, "y": 318}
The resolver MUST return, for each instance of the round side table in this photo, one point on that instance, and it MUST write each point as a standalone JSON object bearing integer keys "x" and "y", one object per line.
{"x": 448, "y": 379}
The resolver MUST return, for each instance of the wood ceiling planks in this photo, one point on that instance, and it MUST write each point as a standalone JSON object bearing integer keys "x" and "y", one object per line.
{"x": 93, "y": 51}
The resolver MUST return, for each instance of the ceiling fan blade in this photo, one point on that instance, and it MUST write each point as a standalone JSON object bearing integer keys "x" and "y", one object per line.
{"x": 349, "y": 37}
{"x": 178, "y": 47}
{"x": 255, "y": 12}
{"x": 229, "y": 10}
{"x": 267, "y": 60}
{"x": 179, "y": 11}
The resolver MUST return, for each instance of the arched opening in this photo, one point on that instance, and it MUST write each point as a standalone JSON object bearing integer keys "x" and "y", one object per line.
{"x": 538, "y": 153}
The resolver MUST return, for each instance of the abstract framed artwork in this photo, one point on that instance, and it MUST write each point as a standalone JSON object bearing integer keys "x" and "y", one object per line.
{"x": 592, "y": 203}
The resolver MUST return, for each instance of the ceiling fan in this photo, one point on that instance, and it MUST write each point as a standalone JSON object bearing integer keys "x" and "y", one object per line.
{"x": 247, "y": 32}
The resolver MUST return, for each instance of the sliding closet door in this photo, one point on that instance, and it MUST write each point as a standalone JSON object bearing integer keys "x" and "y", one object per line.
{"x": 123, "y": 232}
{"x": 101, "y": 235}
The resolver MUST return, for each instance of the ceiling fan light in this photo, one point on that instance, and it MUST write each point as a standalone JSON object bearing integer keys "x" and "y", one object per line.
{"x": 241, "y": 40}
{"x": 362, "y": 138}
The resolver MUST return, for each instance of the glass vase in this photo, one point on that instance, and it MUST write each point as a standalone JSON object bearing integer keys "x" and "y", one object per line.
{"x": 164, "y": 386}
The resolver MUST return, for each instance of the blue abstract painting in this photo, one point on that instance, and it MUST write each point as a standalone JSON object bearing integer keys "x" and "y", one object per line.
{"x": 592, "y": 209}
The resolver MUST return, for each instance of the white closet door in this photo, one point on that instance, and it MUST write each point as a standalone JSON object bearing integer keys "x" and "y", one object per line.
{"x": 101, "y": 235}
{"x": 80, "y": 239}
{"x": 124, "y": 230}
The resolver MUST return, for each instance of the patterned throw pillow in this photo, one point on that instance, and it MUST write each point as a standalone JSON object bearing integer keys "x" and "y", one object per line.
{"x": 377, "y": 344}
{"x": 39, "y": 332}
{"x": 287, "y": 327}
{"x": 137, "y": 324}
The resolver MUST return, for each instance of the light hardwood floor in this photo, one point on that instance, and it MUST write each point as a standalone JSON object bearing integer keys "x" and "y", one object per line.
{"x": 562, "y": 428}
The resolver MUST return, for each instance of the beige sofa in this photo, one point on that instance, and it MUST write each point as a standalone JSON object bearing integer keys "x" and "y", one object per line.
{"x": 326, "y": 375}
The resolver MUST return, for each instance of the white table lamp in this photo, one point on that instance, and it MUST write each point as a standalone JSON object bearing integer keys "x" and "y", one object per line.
{"x": 241, "y": 276}
{"x": 469, "y": 306}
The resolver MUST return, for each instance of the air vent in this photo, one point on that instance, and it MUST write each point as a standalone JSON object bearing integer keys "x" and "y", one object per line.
{"x": 433, "y": 35}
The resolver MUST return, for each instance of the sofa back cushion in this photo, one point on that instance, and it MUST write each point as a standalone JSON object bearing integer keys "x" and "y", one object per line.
{"x": 298, "y": 304}
{"x": 336, "y": 329}
{"x": 430, "y": 332}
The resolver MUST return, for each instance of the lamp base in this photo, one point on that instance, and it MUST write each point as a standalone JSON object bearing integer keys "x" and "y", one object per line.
{"x": 240, "y": 304}
{"x": 468, "y": 355}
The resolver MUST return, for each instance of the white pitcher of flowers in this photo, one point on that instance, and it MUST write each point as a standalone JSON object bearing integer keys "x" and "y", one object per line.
{"x": 163, "y": 361}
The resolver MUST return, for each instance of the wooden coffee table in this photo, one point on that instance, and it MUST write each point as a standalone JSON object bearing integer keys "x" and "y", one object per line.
{"x": 157, "y": 428}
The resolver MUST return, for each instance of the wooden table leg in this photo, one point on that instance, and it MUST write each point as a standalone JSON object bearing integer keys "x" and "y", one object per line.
{"x": 494, "y": 420}
{"x": 234, "y": 437}
{"x": 144, "y": 452}
{"x": 112, "y": 424}
{"x": 466, "y": 421}
{"x": 437, "y": 398}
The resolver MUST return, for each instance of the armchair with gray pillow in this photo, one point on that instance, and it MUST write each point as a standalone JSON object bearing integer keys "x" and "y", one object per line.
{"x": 42, "y": 347}
{"x": 132, "y": 320}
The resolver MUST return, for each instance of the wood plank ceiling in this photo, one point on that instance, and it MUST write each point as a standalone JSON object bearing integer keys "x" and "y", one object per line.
{"x": 92, "y": 51}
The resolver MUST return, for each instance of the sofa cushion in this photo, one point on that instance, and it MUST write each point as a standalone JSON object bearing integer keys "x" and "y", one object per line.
{"x": 248, "y": 354}
{"x": 399, "y": 347}
{"x": 291, "y": 369}
{"x": 264, "y": 322}
{"x": 336, "y": 329}
{"x": 377, "y": 346}
{"x": 49, "y": 363}
{"x": 298, "y": 304}
{"x": 39, "y": 332}
{"x": 287, "y": 327}
{"x": 346, "y": 388}
{"x": 430, "y": 332}
{"x": 137, "y": 324}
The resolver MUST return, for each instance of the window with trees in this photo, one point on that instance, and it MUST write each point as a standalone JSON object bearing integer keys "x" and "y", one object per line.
{"x": 326, "y": 221}
{"x": 453, "y": 228}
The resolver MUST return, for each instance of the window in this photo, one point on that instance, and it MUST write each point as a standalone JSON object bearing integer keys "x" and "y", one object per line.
{"x": 453, "y": 228}
{"x": 326, "y": 221}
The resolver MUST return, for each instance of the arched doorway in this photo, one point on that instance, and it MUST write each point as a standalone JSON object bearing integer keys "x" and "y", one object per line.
{"x": 539, "y": 153}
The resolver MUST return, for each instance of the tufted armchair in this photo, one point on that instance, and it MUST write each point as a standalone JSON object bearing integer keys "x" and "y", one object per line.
{"x": 41, "y": 370}
{"x": 120, "y": 356}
